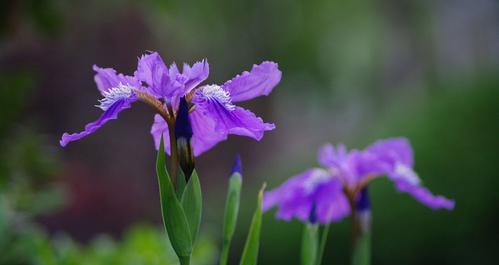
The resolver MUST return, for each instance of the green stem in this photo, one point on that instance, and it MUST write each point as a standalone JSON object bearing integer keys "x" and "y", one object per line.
{"x": 224, "y": 256}
{"x": 362, "y": 250}
{"x": 185, "y": 260}
{"x": 173, "y": 154}
{"x": 361, "y": 254}
{"x": 322, "y": 245}
{"x": 310, "y": 240}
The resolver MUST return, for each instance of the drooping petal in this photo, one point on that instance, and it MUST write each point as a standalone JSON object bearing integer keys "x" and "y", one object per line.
{"x": 391, "y": 157}
{"x": 297, "y": 196}
{"x": 214, "y": 102}
{"x": 332, "y": 204}
{"x": 205, "y": 136}
{"x": 258, "y": 82}
{"x": 394, "y": 158}
{"x": 424, "y": 196}
{"x": 111, "y": 113}
{"x": 160, "y": 127}
{"x": 203, "y": 128}
{"x": 107, "y": 78}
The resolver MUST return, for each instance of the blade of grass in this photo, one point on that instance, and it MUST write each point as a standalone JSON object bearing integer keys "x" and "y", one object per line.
{"x": 250, "y": 252}
{"x": 231, "y": 212}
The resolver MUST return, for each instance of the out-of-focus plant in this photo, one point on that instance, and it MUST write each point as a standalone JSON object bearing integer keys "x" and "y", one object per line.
{"x": 142, "y": 244}
{"x": 329, "y": 194}
{"x": 26, "y": 192}
{"x": 27, "y": 168}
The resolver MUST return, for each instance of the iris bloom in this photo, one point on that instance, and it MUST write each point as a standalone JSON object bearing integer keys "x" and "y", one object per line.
{"x": 212, "y": 112}
{"x": 332, "y": 191}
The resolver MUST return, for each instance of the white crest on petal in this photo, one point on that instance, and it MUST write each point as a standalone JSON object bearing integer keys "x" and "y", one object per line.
{"x": 406, "y": 173}
{"x": 316, "y": 178}
{"x": 114, "y": 94}
{"x": 217, "y": 93}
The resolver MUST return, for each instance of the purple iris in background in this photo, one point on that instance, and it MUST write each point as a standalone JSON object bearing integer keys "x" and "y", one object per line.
{"x": 335, "y": 189}
{"x": 212, "y": 112}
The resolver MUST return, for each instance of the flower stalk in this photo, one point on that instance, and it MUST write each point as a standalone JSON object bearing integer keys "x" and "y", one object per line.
{"x": 361, "y": 229}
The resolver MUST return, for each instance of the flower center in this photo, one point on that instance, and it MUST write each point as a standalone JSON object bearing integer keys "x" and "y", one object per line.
{"x": 218, "y": 94}
{"x": 113, "y": 95}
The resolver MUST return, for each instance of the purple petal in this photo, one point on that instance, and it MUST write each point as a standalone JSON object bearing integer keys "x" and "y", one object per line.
{"x": 332, "y": 204}
{"x": 329, "y": 156}
{"x": 107, "y": 78}
{"x": 205, "y": 135}
{"x": 110, "y": 114}
{"x": 392, "y": 157}
{"x": 260, "y": 81}
{"x": 424, "y": 196}
{"x": 203, "y": 128}
{"x": 342, "y": 163}
{"x": 392, "y": 151}
{"x": 152, "y": 70}
{"x": 160, "y": 127}
{"x": 296, "y": 197}
{"x": 195, "y": 74}
{"x": 243, "y": 122}
{"x": 214, "y": 102}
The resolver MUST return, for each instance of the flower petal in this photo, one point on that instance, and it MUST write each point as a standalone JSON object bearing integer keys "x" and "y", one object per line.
{"x": 332, "y": 204}
{"x": 424, "y": 196}
{"x": 214, "y": 102}
{"x": 152, "y": 70}
{"x": 195, "y": 74}
{"x": 296, "y": 197}
{"x": 330, "y": 156}
{"x": 107, "y": 78}
{"x": 393, "y": 150}
{"x": 260, "y": 81}
{"x": 110, "y": 114}
{"x": 392, "y": 157}
{"x": 160, "y": 127}
{"x": 204, "y": 134}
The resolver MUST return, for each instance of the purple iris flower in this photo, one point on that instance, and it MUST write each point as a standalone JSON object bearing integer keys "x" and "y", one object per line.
{"x": 212, "y": 112}
{"x": 336, "y": 188}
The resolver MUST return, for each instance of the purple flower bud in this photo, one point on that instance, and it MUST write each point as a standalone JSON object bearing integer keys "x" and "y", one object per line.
{"x": 312, "y": 218}
{"x": 363, "y": 202}
{"x": 183, "y": 127}
{"x": 237, "y": 166}
{"x": 183, "y": 134}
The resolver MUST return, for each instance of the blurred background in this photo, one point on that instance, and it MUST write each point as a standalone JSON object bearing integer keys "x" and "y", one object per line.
{"x": 353, "y": 72}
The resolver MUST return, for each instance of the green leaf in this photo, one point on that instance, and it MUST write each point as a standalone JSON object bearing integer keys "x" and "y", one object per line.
{"x": 192, "y": 202}
{"x": 174, "y": 218}
{"x": 309, "y": 244}
{"x": 231, "y": 212}
{"x": 180, "y": 184}
{"x": 322, "y": 245}
{"x": 250, "y": 252}
{"x": 362, "y": 250}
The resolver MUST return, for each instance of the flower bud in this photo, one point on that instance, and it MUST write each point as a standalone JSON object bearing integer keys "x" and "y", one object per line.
{"x": 237, "y": 166}
{"x": 363, "y": 208}
{"x": 312, "y": 218}
{"x": 183, "y": 134}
